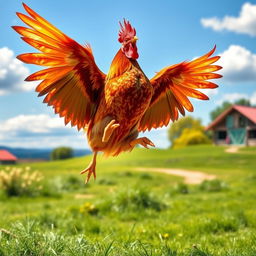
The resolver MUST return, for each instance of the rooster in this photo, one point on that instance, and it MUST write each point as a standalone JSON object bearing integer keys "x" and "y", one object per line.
{"x": 112, "y": 108}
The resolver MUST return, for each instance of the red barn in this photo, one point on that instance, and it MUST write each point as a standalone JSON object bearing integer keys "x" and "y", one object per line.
{"x": 7, "y": 158}
{"x": 236, "y": 125}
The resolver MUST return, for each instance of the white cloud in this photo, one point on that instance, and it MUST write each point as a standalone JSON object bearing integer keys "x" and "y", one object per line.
{"x": 32, "y": 124}
{"x": 210, "y": 92}
{"x": 158, "y": 136}
{"x": 253, "y": 98}
{"x": 43, "y": 131}
{"x": 232, "y": 97}
{"x": 12, "y": 73}
{"x": 239, "y": 64}
{"x": 40, "y": 131}
{"x": 245, "y": 23}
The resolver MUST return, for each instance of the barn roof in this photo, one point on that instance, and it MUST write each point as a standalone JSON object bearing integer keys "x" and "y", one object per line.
{"x": 249, "y": 112}
{"x": 7, "y": 156}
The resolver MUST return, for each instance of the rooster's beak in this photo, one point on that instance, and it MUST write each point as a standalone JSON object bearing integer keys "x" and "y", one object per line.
{"x": 135, "y": 39}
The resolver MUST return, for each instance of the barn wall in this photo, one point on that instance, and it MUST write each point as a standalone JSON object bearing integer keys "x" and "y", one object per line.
{"x": 251, "y": 142}
{"x": 7, "y": 162}
{"x": 251, "y": 124}
{"x": 220, "y": 142}
{"x": 221, "y": 126}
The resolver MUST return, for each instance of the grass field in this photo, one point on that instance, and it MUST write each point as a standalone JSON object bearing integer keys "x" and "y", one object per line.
{"x": 126, "y": 212}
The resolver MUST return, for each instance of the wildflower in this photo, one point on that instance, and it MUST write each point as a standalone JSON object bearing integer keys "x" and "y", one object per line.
{"x": 27, "y": 168}
{"x": 88, "y": 208}
{"x": 165, "y": 235}
{"x": 20, "y": 181}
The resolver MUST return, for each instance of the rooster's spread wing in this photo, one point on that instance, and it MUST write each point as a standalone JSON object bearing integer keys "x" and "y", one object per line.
{"x": 172, "y": 87}
{"x": 73, "y": 82}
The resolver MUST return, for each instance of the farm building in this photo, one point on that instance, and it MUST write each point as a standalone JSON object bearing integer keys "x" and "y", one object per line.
{"x": 7, "y": 158}
{"x": 236, "y": 126}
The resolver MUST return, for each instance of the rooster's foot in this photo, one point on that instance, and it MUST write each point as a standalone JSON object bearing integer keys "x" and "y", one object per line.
{"x": 90, "y": 169}
{"x": 144, "y": 141}
{"x": 109, "y": 129}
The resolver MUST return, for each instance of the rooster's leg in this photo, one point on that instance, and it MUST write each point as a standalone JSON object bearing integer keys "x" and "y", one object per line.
{"x": 144, "y": 141}
{"x": 109, "y": 129}
{"x": 91, "y": 168}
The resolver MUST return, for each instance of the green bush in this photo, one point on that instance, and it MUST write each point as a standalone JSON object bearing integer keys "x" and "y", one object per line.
{"x": 107, "y": 182}
{"x": 176, "y": 129}
{"x": 191, "y": 137}
{"x": 21, "y": 182}
{"x": 62, "y": 153}
{"x": 213, "y": 185}
{"x": 180, "y": 188}
{"x": 72, "y": 183}
{"x": 62, "y": 184}
{"x": 213, "y": 224}
{"x": 136, "y": 200}
{"x": 146, "y": 176}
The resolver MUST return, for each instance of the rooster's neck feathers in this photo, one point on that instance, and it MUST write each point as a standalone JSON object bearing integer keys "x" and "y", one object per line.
{"x": 119, "y": 65}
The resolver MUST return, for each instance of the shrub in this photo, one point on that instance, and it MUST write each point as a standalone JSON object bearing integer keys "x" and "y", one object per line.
{"x": 219, "y": 224}
{"x": 180, "y": 188}
{"x": 62, "y": 153}
{"x": 107, "y": 182}
{"x": 213, "y": 185}
{"x": 146, "y": 176}
{"x": 72, "y": 183}
{"x": 191, "y": 137}
{"x": 126, "y": 174}
{"x": 51, "y": 189}
{"x": 136, "y": 200}
{"x": 20, "y": 182}
{"x": 176, "y": 129}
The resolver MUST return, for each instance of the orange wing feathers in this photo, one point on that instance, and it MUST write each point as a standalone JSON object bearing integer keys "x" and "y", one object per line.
{"x": 73, "y": 82}
{"x": 172, "y": 87}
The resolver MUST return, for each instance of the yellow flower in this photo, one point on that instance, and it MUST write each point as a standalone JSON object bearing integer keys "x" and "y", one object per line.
{"x": 165, "y": 236}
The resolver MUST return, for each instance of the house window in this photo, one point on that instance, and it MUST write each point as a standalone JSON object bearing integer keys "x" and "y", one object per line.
{"x": 221, "y": 135}
{"x": 252, "y": 134}
{"x": 242, "y": 121}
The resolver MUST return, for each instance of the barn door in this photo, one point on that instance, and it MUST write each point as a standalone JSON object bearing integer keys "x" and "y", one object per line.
{"x": 230, "y": 122}
{"x": 237, "y": 135}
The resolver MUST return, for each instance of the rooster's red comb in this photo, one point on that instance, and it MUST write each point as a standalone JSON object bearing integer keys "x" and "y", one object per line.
{"x": 127, "y": 32}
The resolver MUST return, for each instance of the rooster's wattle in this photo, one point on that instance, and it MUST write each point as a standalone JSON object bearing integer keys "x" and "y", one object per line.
{"x": 111, "y": 108}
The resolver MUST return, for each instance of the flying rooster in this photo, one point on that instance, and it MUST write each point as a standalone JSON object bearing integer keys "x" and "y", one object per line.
{"x": 112, "y": 108}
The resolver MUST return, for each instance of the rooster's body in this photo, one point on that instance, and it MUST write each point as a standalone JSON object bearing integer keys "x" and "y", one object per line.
{"x": 111, "y": 108}
{"x": 122, "y": 107}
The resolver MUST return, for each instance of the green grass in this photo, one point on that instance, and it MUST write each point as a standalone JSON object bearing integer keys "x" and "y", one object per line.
{"x": 126, "y": 212}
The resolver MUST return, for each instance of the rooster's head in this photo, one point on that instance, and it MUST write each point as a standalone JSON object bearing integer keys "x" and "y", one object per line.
{"x": 127, "y": 37}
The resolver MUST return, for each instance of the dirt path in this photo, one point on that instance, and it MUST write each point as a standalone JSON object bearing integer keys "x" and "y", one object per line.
{"x": 232, "y": 149}
{"x": 83, "y": 196}
{"x": 190, "y": 177}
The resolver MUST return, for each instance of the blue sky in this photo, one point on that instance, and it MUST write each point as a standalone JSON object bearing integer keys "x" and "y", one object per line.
{"x": 169, "y": 32}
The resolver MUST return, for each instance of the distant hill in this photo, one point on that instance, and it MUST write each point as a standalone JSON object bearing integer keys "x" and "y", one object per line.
{"x": 35, "y": 153}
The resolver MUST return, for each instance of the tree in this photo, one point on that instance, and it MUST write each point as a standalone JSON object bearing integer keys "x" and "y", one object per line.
{"x": 225, "y": 105}
{"x": 62, "y": 153}
{"x": 187, "y": 122}
{"x": 191, "y": 137}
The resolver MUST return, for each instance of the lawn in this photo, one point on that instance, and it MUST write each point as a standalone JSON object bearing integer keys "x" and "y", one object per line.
{"x": 127, "y": 212}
